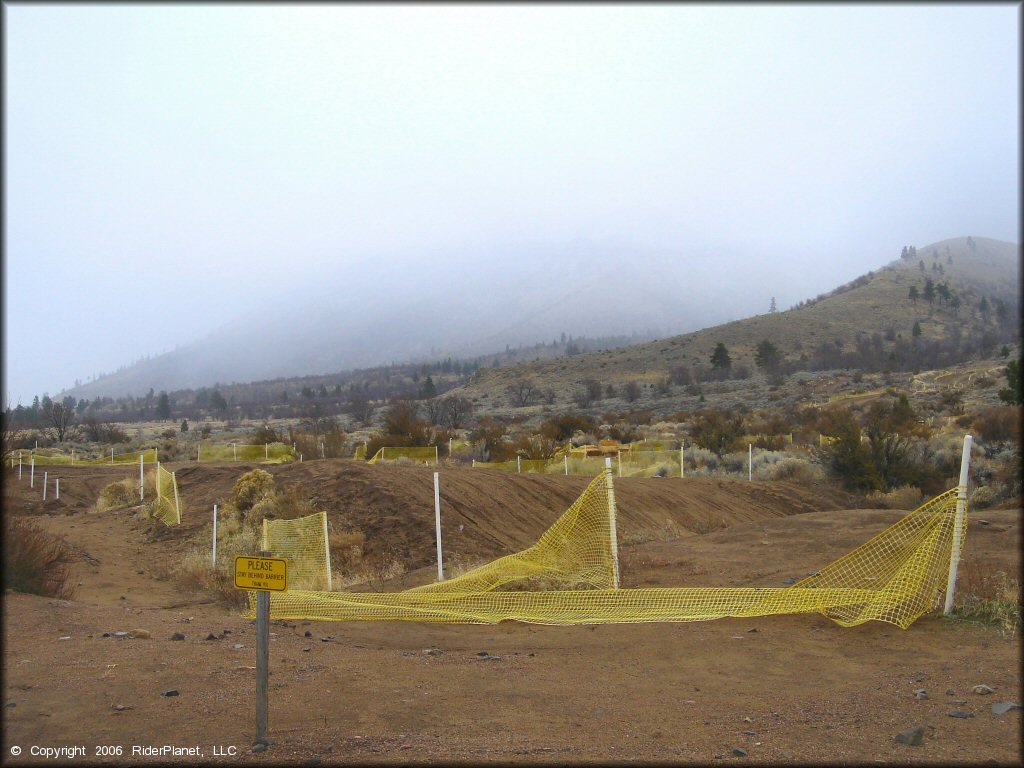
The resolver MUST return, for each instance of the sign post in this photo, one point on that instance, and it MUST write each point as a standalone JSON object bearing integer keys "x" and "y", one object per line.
{"x": 262, "y": 574}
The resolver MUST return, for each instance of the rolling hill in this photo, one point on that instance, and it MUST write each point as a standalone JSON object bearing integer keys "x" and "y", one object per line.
{"x": 875, "y": 309}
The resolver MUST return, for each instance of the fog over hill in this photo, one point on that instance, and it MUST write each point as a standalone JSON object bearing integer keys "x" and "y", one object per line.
{"x": 427, "y": 308}
{"x": 460, "y": 304}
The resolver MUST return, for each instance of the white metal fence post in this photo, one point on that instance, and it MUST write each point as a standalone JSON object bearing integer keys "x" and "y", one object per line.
{"x": 750, "y": 461}
{"x": 519, "y": 463}
{"x": 142, "y": 480}
{"x": 614, "y": 542}
{"x": 437, "y": 524}
{"x": 32, "y": 473}
{"x": 435, "y": 455}
{"x": 619, "y": 453}
{"x": 682, "y": 458}
{"x": 234, "y": 451}
{"x": 327, "y": 550}
{"x": 19, "y": 465}
{"x": 961, "y": 508}
{"x": 266, "y": 450}
{"x": 44, "y": 485}
{"x": 566, "y": 457}
{"x": 177, "y": 506}
{"x": 57, "y": 484}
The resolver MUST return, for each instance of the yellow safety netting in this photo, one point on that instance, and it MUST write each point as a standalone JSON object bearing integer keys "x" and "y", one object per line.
{"x": 427, "y": 454}
{"x": 303, "y": 543}
{"x": 149, "y": 456}
{"x": 570, "y": 576}
{"x": 168, "y": 504}
{"x": 360, "y": 454}
{"x": 272, "y": 453}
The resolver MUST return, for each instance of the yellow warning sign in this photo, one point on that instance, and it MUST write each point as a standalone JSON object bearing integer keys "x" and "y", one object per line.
{"x": 270, "y": 573}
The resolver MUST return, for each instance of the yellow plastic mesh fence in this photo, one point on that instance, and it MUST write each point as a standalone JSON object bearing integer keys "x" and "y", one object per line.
{"x": 896, "y": 577}
{"x": 168, "y": 503}
{"x": 303, "y": 543}
{"x": 272, "y": 453}
{"x": 360, "y": 454}
{"x": 427, "y": 454}
{"x": 148, "y": 455}
{"x": 505, "y": 466}
{"x": 577, "y": 465}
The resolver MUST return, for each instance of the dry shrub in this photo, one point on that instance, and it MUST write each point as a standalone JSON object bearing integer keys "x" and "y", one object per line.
{"x": 999, "y": 424}
{"x": 905, "y": 497}
{"x": 123, "y": 493}
{"x": 251, "y": 487}
{"x": 986, "y": 495}
{"x": 987, "y": 595}
{"x": 35, "y": 561}
{"x": 794, "y": 470}
{"x": 346, "y": 550}
{"x": 282, "y": 505}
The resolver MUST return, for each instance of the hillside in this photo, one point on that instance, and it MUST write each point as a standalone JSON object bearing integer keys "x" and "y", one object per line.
{"x": 871, "y": 317}
{"x": 458, "y": 304}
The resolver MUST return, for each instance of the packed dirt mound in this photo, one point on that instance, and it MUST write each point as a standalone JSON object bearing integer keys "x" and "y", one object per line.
{"x": 488, "y": 513}
{"x": 484, "y": 513}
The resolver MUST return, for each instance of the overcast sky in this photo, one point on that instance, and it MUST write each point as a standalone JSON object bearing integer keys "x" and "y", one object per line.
{"x": 167, "y": 165}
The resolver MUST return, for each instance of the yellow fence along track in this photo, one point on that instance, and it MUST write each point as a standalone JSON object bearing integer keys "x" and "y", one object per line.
{"x": 570, "y": 577}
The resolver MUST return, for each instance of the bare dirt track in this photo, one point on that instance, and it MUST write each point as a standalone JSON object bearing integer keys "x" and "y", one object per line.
{"x": 798, "y": 689}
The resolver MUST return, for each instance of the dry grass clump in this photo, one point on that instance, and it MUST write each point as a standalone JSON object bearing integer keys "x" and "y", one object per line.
{"x": 35, "y": 561}
{"x": 197, "y": 574}
{"x": 987, "y": 596}
{"x": 123, "y": 493}
{"x": 905, "y": 497}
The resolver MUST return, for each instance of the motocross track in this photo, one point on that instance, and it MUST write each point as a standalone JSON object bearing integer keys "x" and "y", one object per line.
{"x": 785, "y": 689}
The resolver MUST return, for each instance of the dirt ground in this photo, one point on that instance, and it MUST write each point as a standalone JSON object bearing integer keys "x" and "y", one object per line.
{"x": 784, "y": 689}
